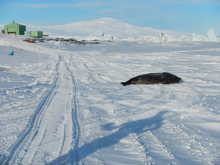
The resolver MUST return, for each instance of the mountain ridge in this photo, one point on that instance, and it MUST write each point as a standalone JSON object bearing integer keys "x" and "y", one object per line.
{"x": 107, "y": 26}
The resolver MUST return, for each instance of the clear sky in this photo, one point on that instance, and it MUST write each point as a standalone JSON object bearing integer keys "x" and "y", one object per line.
{"x": 193, "y": 16}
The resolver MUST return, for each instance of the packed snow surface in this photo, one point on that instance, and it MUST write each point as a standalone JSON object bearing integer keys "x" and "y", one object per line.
{"x": 63, "y": 103}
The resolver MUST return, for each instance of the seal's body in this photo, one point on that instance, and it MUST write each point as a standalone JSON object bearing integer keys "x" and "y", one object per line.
{"x": 153, "y": 78}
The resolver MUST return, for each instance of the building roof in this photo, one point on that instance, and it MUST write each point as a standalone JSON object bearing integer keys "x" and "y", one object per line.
{"x": 13, "y": 23}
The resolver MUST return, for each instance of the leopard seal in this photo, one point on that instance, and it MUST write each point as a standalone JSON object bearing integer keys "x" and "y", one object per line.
{"x": 153, "y": 78}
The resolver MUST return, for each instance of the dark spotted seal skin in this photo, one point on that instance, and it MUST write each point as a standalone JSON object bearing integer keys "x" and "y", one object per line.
{"x": 153, "y": 78}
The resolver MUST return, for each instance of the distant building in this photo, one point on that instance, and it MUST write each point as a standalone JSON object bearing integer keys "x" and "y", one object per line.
{"x": 14, "y": 29}
{"x": 37, "y": 34}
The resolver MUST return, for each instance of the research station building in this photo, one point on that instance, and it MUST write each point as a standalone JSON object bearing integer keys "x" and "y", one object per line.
{"x": 36, "y": 34}
{"x": 14, "y": 29}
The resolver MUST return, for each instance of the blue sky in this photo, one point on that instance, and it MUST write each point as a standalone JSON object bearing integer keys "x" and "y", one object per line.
{"x": 193, "y": 16}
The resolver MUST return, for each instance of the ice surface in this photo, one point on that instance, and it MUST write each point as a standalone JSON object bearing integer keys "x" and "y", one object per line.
{"x": 201, "y": 38}
{"x": 211, "y": 35}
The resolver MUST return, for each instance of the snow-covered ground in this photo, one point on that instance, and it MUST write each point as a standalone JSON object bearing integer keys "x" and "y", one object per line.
{"x": 63, "y": 103}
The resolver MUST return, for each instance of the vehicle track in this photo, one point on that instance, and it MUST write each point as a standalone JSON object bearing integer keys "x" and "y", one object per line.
{"x": 73, "y": 155}
{"x": 19, "y": 144}
{"x": 53, "y": 131}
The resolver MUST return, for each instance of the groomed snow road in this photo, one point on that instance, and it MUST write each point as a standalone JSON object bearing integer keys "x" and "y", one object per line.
{"x": 54, "y": 129}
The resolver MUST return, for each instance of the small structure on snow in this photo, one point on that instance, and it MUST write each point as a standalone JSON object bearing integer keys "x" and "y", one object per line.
{"x": 14, "y": 29}
{"x": 36, "y": 34}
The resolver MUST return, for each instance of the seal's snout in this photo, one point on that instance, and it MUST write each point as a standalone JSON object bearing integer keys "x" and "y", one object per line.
{"x": 123, "y": 83}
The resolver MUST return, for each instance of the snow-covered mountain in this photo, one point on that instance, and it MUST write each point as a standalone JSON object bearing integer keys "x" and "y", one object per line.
{"x": 107, "y": 26}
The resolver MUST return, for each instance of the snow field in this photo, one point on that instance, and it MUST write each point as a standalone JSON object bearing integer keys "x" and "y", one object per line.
{"x": 72, "y": 109}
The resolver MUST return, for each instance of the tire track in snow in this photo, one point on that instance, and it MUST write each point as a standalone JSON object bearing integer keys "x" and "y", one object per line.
{"x": 98, "y": 65}
{"x": 189, "y": 143}
{"x": 73, "y": 155}
{"x": 198, "y": 144}
{"x": 64, "y": 135}
{"x": 43, "y": 140}
{"x": 154, "y": 147}
{"x": 65, "y": 132}
{"x": 19, "y": 144}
